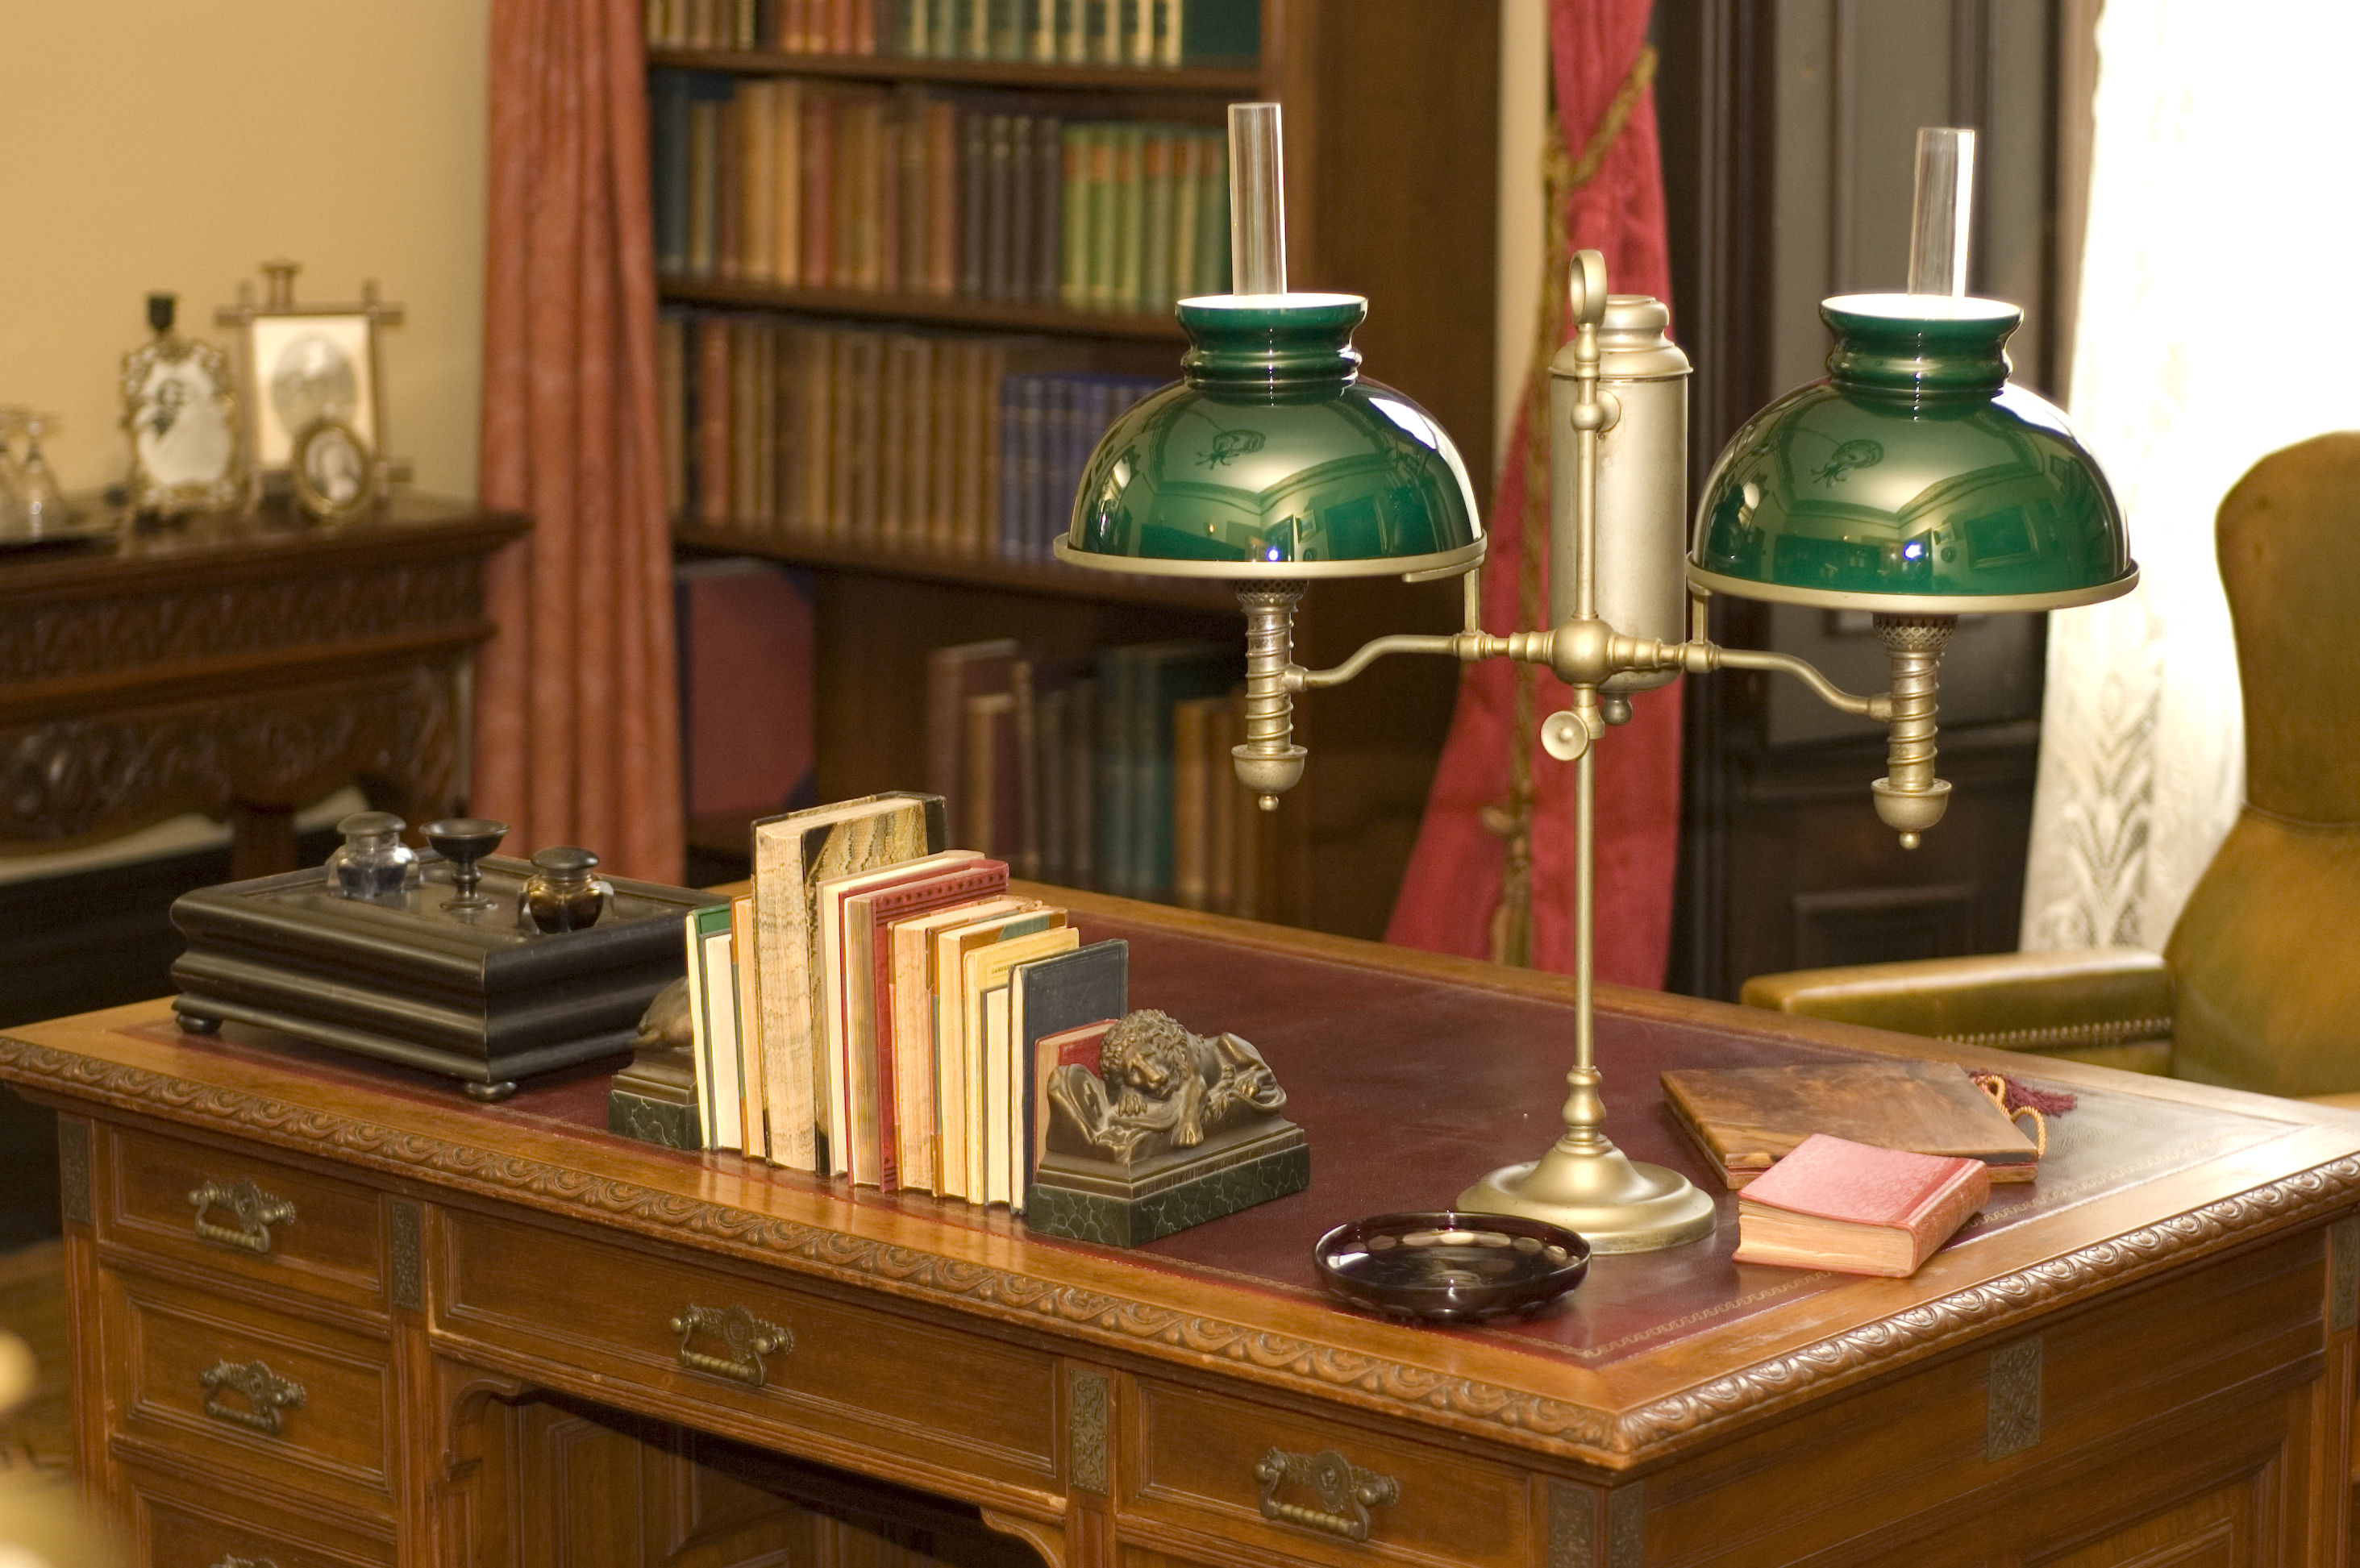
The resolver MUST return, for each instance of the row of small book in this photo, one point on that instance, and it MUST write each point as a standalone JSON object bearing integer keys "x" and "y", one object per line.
{"x": 882, "y": 1009}
{"x": 795, "y": 183}
{"x": 960, "y": 445}
{"x": 1146, "y": 34}
{"x": 1110, "y": 770}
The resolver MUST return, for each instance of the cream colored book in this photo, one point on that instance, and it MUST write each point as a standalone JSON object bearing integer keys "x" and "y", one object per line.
{"x": 792, "y": 854}
{"x": 914, "y": 1069}
{"x": 946, "y": 975}
{"x": 983, "y": 968}
{"x": 851, "y": 1111}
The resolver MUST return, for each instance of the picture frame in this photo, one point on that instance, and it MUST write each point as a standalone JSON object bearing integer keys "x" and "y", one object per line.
{"x": 333, "y": 472}
{"x": 182, "y": 412}
{"x": 304, "y": 364}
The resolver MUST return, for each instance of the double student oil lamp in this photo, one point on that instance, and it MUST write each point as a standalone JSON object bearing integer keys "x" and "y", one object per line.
{"x": 1914, "y": 482}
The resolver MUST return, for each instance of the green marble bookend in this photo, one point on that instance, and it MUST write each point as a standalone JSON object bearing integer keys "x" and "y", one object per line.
{"x": 1172, "y": 1131}
{"x": 654, "y": 1099}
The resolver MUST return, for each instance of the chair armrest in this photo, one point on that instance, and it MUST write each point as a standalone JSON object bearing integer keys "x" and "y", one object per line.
{"x": 2089, "y": 1003}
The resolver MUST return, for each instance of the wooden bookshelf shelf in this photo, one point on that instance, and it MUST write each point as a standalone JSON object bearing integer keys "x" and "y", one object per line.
{"x": 1194, "y": 80}
{"x": 1049, "y": 578}
{"x": 943, "y": 310}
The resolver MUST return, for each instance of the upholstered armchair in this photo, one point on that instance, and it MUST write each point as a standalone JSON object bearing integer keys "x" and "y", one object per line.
{"x": 2259, "y": 985}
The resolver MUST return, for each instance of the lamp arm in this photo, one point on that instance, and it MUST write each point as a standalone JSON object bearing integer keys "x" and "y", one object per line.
{"x": 1696, "y": 657}
{"x": 1879, "y": 707}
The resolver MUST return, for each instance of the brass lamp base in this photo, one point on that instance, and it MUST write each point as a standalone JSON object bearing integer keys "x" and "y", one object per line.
{"x": 1615, "y": 1203}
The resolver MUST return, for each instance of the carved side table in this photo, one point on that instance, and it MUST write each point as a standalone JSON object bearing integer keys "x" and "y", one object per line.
{"x": 240, "y": 666}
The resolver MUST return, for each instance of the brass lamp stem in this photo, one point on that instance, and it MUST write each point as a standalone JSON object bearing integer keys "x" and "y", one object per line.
{"x": 1909, "y": 797}
{"x": 1268, "y": 763}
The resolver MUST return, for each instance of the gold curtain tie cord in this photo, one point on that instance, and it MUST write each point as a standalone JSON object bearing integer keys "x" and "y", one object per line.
{"x": 1570, "y": 178}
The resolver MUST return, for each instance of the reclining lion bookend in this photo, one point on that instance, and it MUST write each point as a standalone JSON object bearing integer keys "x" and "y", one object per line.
{"x": 1172, "y": 1130}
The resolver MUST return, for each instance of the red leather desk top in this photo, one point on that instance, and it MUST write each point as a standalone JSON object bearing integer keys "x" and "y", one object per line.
{"x": 1409, "y": 1088}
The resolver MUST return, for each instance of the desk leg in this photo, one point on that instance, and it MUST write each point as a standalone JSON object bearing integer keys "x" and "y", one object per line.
{"x": 262, "y": 840}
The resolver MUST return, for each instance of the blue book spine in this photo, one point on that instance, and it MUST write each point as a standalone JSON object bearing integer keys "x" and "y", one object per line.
{"x": 1036, "y": 507}
{"x": 1114, "y": 738}
{"x": 1010, "y": 541}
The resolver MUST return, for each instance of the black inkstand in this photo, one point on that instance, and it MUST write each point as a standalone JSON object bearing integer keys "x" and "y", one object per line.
{"x": 438, "y": 961}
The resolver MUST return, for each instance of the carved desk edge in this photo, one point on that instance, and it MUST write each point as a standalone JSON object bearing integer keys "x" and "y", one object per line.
{"x": 1517, "y": 1417}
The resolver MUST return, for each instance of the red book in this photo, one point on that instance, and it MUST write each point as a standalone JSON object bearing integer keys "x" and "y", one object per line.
{"x": 819, "y": 191}
{"x": 712, "y": 419}
{"x": 976, "y": 880}
{"x": 747, "y": 691}
{"x": 1856, "y": 1209}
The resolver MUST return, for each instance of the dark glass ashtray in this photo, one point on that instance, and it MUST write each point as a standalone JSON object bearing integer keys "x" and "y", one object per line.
{"x": 1450, "y": 1267}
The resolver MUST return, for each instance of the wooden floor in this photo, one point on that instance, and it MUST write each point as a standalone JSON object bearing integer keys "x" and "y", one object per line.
{"x": 33, "y": 1306}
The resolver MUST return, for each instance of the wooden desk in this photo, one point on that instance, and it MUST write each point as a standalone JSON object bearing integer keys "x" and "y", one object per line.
{"x": 2146, "y": 1356}
{"x": 240, "y": 666}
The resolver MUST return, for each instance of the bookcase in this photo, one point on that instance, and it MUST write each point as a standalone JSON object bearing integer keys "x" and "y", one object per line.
{"x": 1391, "y": 136}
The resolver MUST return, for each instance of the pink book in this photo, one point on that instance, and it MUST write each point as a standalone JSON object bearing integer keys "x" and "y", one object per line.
{"x": 1856, "y": 1209}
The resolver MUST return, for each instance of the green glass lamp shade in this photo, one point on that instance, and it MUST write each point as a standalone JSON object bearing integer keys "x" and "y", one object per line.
{"x": 1273, "y": 459}
{"x": 1912, "y": 480}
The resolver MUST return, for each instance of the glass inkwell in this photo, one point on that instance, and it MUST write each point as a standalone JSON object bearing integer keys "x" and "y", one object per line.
{"x": 374, "y": 863}
{"x": 560, "y": 895}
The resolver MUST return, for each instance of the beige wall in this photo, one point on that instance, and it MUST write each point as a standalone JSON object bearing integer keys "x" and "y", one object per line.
{"x": 174, "y": 144}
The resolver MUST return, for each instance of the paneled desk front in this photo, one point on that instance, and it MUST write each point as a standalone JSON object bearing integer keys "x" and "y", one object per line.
{"x": 329, "y": 1314}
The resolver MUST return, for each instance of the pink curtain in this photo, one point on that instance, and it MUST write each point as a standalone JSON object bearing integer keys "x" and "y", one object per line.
{"x": 577, "y": 731}
{"x": 1455, "y": 874}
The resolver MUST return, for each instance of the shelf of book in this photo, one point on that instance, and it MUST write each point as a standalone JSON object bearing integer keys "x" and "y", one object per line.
{"x": 874, "y": 282}
{"x": 944, "y": 310}
{"x": 1215, "y": 81}
{"x": 1049, "y": 577}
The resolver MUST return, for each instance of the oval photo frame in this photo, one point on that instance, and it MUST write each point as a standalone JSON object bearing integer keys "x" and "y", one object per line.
{"x": 333, "y": 472}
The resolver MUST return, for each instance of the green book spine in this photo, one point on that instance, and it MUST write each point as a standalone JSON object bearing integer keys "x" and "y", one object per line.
{"x": 1155, "y": 245}
{"x": 1131, "y": 219}
{"x": 1074, "y": 219}
{"x": 1213, "y": 216}
{"x": 1187, "y": 148}
{"x": 1102, "y": 218}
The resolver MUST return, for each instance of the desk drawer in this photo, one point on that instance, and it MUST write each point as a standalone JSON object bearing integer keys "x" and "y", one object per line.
{"x": 236, "y": 1385}
{"x": 238, "y": 1214}
{"x": 1291, "y": 1486}
{"x": 821, "y": 1373}
{"x": 183, "y": 1521}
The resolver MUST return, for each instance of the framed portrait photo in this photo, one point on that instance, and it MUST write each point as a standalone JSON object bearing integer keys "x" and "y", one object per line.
{"x": 334, "y": 471}
{"x": 180, "y": 408}
{"x": 305, "y": 368}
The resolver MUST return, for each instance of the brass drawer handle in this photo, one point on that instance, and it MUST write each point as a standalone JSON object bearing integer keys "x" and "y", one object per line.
{"x": 747, "y": 1338}
{"x": 255, "y": 1210}
{"x": 267, "y": 1394}
{"x": 1346, "y": 1492}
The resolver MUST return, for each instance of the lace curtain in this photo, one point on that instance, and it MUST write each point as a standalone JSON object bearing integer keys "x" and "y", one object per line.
{"x": 2218, "y": 322}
